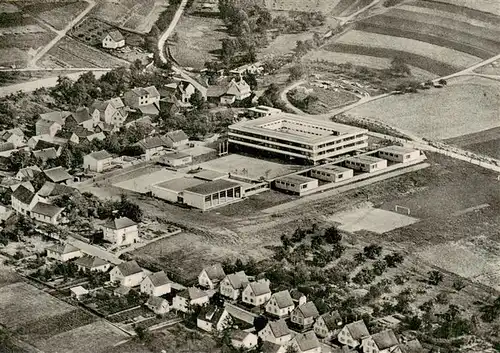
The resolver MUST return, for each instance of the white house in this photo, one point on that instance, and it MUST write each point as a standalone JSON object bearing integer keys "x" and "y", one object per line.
{"x": 176, "y": 159}
{"x": 23, "y": 200}
{"x": 239, "y": 89}
{"x": 352, "y": 334}
{"x": 297, "y": 184}
{"x": 78, "y": 292}
{"x": 281, "y": 304}
{"x": 189, "y": 297}
{"x": 128, "y": 274}
{"x": 97, "y": 161}
{"x": 142, "y": 96}
{"x": 328, "y": 324}
{"x": 382, "y": 342}
{"x": 121, "y": 231}
{"x": 256, "y": 293}
{"x": 243, "y": 339}
{"x": 213, "y": 318}
{"x": 368, "y": 164}
{"x": 92, "y": 263}
{"x": 158, "y": 305}
{"x": 63, "y": 252}
{"x": 305, "y": 314}
{"x": 276, "y": 332}
{"x": 113, "y": 39}
{"x": 46, "y": 213}
{"x": 298, "y": 297}
{"x": 176, "y": 139}
{"x": 232, "y": 285}
{"x": 306, "y": 343}
{"x": 156, "y": 284}
{"x": 210, "y": 276}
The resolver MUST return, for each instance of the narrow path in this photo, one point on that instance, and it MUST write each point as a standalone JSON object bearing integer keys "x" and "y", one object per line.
{"x": 163, "y": 38}
{"x": 344, "y": 20}
{"x": 60, "y": 34}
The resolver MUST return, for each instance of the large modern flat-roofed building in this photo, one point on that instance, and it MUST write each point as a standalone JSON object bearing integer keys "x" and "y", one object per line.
{"x": 296, "y": 136}
{"x": 365, "y": 163}
{"x": 212, "y": 193}
{"x": 332, "y": 173}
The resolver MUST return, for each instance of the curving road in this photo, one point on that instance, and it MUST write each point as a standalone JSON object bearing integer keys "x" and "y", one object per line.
{"x": 163, "y": 38}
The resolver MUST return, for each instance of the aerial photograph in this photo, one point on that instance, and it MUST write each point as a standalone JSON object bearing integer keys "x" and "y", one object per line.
{"x": 249, "y": 176}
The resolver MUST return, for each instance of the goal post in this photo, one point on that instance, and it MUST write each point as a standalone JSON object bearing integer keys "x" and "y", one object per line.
{"x": 402, "y": 210}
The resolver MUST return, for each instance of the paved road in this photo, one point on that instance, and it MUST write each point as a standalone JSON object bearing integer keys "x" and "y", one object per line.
{"x": 60, "y": 34}
{"x": 163, "y": 38}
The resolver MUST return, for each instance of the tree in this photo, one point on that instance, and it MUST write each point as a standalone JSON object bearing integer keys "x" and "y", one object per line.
{"x": 332, "y": 235}
{"x": 379, "y": 267}
{"x": 291, "y": 349}
{"x": 129, "y": 209}
{"x": 260, "y": 322}
{"x": 228, "y": 50}
{"x": 142, "y": 333}
{"x": 394, "y": 259}
{"x": 435, "y": 277}
{"x": 22, "y": 159}
{"x": 197, "y": 99}
{"x": 372, "y": 251}
{"x": 399, "y": 67}
{"x": 296, "y": 72}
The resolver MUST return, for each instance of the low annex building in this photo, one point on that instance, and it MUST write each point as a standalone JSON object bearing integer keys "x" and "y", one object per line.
{"x": 332, "y": 173}
{"x": 158, "y": 305}
{"x": 297, "y": 137}
{"x": 398, "y": 154}
{"x": 46, "y": 213}
{"x": 173, "y": 190}
{"x": 243, "y": 339}
{"x": 92, "y": 263}
{"x": 212, "y": 194}
{"x": 297, "y": 184}
{"x": 364, "y": 163}
{"x": 121, "y": 231}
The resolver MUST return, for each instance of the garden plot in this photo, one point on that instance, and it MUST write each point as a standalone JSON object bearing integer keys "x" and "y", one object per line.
{"x": 143, "y": 182}
{"x": 371, "y": 219}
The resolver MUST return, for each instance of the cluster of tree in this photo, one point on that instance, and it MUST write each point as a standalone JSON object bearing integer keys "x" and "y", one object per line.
{"x": 271, "y": 97}
{"x": 300, "y": 99}
{"x": 15, "y": 228}
{"x": 373, "y": 252}
{"x": 251, "y": 267}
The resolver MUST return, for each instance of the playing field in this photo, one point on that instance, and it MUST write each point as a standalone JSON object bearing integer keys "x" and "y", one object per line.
{"x": 485, "y": 142}
{"x": 467, "y": 105}
{"x": 249, "y": 167}
{"x": 141, "y": 183}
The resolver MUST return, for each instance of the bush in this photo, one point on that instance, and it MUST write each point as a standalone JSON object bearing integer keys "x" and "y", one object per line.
{"x": 435, "y": 277}
{"x": 372, "y": 251}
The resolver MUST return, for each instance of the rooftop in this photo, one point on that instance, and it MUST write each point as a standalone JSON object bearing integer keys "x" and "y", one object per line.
{"x": 52, "y": 189}
{"x": 79, "y": 290}
{"x": 177, "y": 136}
{"x": 365, "y": 159}
{"x": 175, "y": 155}
{"x": 129, "y": 268}
{"x": 57, "y": 174}
{"x": 299, "y": 179}
{"x": 159, "y": 278}
{"x": 397, "y": 149}
{"x": 215, "y": 272}
{"x": 331, "y": 168}
{"x": 116, "y": 35}
{"x": 239, "y": 313}
{"x": 212, "y": 186}
{"x": 45, "y": 154}
{"x": 192, "y": 293}
{"x": 358, "y": 329}
{"x": 46, "y": 209}
{"x": 307, "y": 341}
{"x": 238, "y": 280}
{"x": 283, "y": 299}
{"x": 209, "y": 175}
{"x": 179, "y": 184}
{"x": 279, "y": 328}
{"x": 100, "y": 155}
{"x": 155, "y": 302}
{"x": 308, "y": 309}
{"x": 63, "y": 248}
{"x": 385, "y": 339}
{"x": 23, "y": 194}
{"x": 90, "y": 262}
{"x": 288, "y": 127}
{"x": 119, "y": 223}
{"x": 260, "y": 288}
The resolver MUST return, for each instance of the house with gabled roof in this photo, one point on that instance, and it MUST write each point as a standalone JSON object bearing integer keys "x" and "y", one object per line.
{"x": 269, "y": 347}
{"x": 185, "y": 299}
{"x": 113, "y": 40}
{"x": 50, "y": 123}
{"x": 50, "y": 190}
{"x": 239, "y": 89}
{"x": 46, "y": 213}
{"x": 243, "y": 340}
{"x": 280, "y": 304}
{"x": 128, "y": 274}
{"x": 28, "y": 173}
{"x": 141, "y": 97}
{"x": 151, "y": 146}
{"x": 63, "y": 252}
{"x": 14, "y": 136}
{"x": 381, "y": 342}
{"x": 46, "y": 154}
{"x": 210, "y": 276}
{"x": 213, "y": 318}
{"x": 112, "y": 111}
{"x": 305, "y": 314}
{"x": 256, "y": 293}
{"x": 121, "y": 231}
{"x": 233, "y": 284}
{"x": 306, "y": 343}
{"x": 176, "y": 139}
{"x": 156, "y": 284}
{"x": 82, "y": 118}
{"x": 97, "y": 161}
{"x": 353, "y": 333}
{"x": 276, "y": 332}
{"x": 328, "y": 324}
{"x": 23, "y": 200}
{"x": 158, "y": 305}
{"x": 89, "y": 263}
{"x": 57, "y": 175}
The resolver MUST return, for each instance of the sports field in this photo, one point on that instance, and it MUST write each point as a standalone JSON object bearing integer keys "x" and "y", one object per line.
{"x": 141, "y": 182}
{"x": 467, "y": 105}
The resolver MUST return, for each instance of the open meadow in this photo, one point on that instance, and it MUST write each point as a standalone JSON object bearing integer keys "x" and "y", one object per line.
{"x": 485, "y": 142}
{"x": 56, "y": 14}
{"x": 332, "y": 7}
{"x": 467, "y": 105}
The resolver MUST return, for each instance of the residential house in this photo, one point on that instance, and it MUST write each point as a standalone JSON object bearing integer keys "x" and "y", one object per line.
{"x": 236, "y": 91}
{"x": 305, "y": 314}
{"x": 176, "y": 159}
{"x": 210, "y": 276}
{"x": 14, "y": 136}
{"x": 158, "y": 305}
{"x": 382, "y": 342}
{"x": 57, "y": 175}
{"x": 176, "y": 139}
{"x": 82, "y": 118}
{"x": 213, "y": 318}
{"x": 23, "y": 200}
{"x": 28, "y": 173}
{"x": 46, "y": 154}
{"x": 98, "y": 135}
{"x": 276, "y": 332}
{"x": 140, "y": 97}
{"x": 256, "y": 293}
{"x": 328, "y": 324}
{"x": 112, "y": 112}
{"x": 46, "y": 213}
{"x": 352, "y": 334}
{"x": 43, "y": 144}
{"x": 156, "y": 284}
{"x": 306, "y": 343}
{"x": 252, "y": 69}
{"x": 63, "y": 252}
{"x": 7, "y": 148}
{"x": 180, "y": 90}
{"x": 232, "y": 285}
{"x": 50, "y": 191}
{"x": 281, "y": 304}
{"x": 97, "y": 161}
{"x": 121, "y": 231}
{"x": 185, "y": 299}
{"x": 89, "y": 263}
{"x": 151, "y": 146}
{"x": 129, "y": 274}
{"x": 45, "y": 126}
{"x": 244, "y": 340}
{"x": 113, "y": 40}
{"x": 269, "y": 347}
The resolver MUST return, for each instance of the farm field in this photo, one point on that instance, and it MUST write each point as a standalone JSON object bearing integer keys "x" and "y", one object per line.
{"x": 440, "y": 113}
{"x": 283, "y": 44}
{"x": 71, "y": 53}
{"x": 199, "y": 40}
{"x": 332, "y": 7}
{"x": 133, "y": 15}
{"x": 484, "y": 142}
{"x": 491, "y": 6}
{"x": 57, "y": 15}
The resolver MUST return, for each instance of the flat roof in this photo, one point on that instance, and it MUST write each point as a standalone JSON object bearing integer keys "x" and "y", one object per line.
{"x": 212, "y": 187}
{"x": 254, "y": 126}
{"x": 296, "y": 179}
{"x": 365, "y": 159}
{"x": 208, "y": 174}
{"x": 397, "y": 149}
{"x": 179, "y": 184}
{"x": 332, "y": 168}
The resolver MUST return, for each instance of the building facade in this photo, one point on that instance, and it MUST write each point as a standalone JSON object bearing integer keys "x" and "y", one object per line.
{"x": 367, "y": 164}
{"x": 332, "y": 173}
{"x": 212, "y": 194}
{"x": 398, "y": 154}
{"x": 296, "y": 184}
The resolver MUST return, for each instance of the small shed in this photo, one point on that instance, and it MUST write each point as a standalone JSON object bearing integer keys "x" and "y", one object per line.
{"x": 78, "y": 292}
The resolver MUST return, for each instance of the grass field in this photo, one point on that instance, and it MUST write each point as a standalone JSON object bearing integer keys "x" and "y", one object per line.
{"x": 71, "y": 53}
{"x": 491, "y": 6}
{"x": 484, "y": 142}
{"x": 467, "y": 105}
{"x": 199, "y": 40}
{"x": 57, "y": 15}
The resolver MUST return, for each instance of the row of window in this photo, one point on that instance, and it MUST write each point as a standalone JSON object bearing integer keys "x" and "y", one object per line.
{"x": 339, "y": 176}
